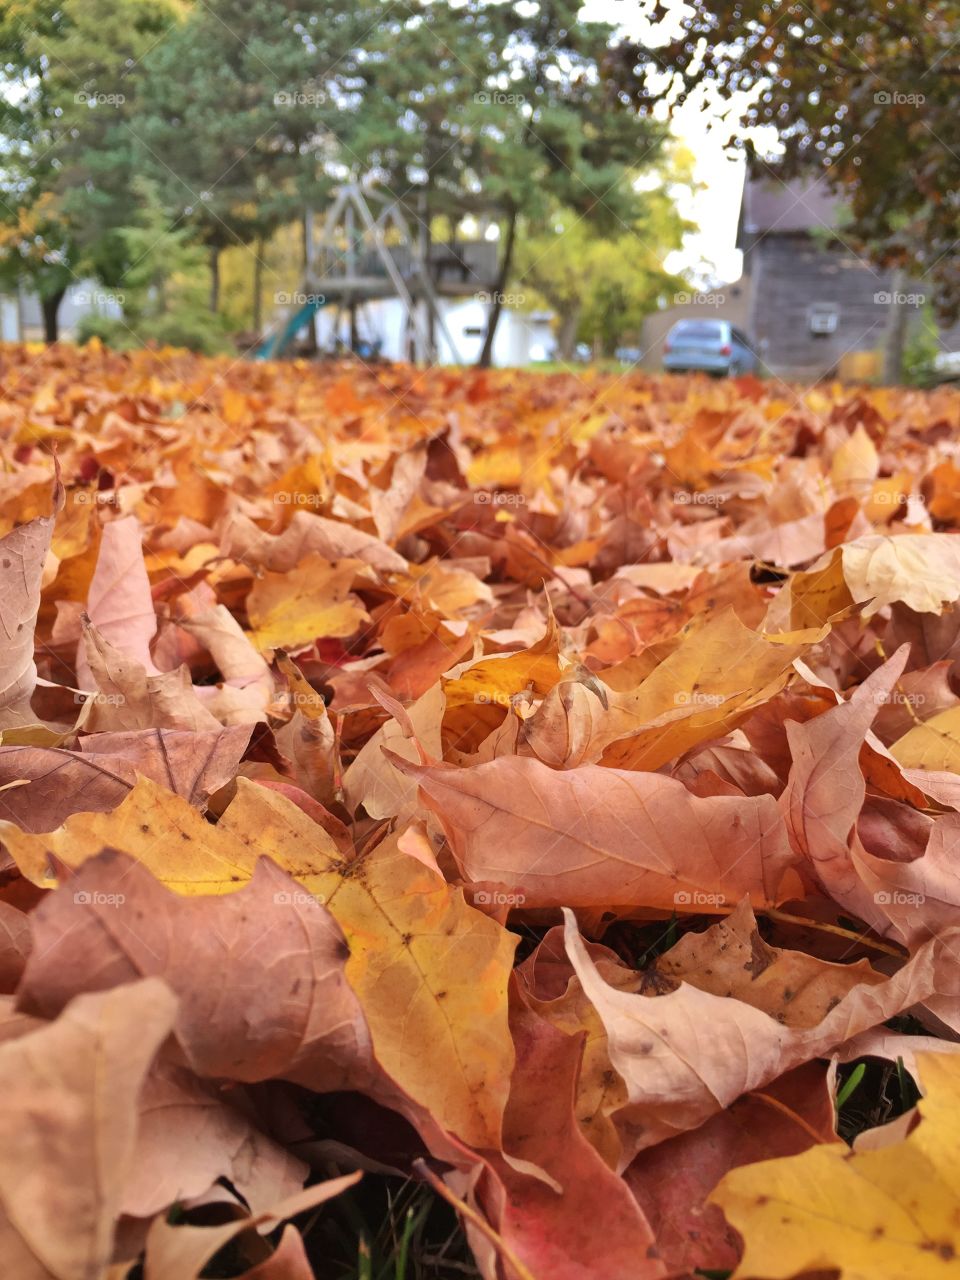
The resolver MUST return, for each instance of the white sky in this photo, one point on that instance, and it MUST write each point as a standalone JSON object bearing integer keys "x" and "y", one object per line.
{"x": 708, "y": 254}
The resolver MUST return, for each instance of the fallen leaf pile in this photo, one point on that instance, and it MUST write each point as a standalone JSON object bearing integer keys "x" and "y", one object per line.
{"x": 537, "y": 785}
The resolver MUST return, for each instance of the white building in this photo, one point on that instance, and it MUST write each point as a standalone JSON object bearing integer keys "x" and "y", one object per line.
{"x": 21, "y": 316}
{"x": 521, "y": 337}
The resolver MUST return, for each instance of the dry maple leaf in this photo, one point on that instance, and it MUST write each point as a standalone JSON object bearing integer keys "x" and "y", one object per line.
{"x": 686, "y": 1054}
{"x": 23, "y": 552}
{"x": 887, "y": 1212}
{"x": 183, "y": 1252}
{"x": 53, "y": 782}
{"x": 119, "y": 602}
{"x": 921, "y": 571}
{"x": 69, "y": 1112}
{"x": 600, "y": 837}
{"x": 660, "y": 650}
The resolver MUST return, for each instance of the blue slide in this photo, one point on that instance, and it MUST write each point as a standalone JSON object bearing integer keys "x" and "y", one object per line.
{"x": 275, "y": 345}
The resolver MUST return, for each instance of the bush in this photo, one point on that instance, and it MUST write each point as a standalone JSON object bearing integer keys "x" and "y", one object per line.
{"x": 111, "y": 332}
{"x": 195, "y": 330}
{"x": 921, "y": 350}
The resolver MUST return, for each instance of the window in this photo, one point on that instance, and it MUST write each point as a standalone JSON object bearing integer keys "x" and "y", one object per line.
{"x": 822, "y": 318}
{"x": 710, "y": 330}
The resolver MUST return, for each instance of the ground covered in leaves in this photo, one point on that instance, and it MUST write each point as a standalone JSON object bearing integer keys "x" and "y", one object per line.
{"x": 464, "y": 823}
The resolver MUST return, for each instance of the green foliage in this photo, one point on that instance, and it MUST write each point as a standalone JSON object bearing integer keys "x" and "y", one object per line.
{"x": 864, "y": 94}
{"x": 491, "y": 107}
{"x": 194, "y": 330}
{"x": 165, "y": 286}
{"x": 238, "y": 107}
{"x": 603, "y": 286}
{"x": 921, "y": 350}
{"x": 240, "y": 113}
{"x": 65, "y": 148}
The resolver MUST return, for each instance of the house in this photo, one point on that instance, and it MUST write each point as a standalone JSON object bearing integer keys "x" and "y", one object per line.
{"x": 813, "y": 306}
{"x": 817, "y": 308}
{"x": 813, "y": 299}
{"x": 21, "y": 318}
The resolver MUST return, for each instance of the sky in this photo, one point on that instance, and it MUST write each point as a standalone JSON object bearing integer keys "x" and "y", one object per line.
{"x": 709, "y": 255}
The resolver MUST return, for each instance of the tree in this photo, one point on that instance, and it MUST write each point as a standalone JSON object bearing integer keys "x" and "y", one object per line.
{"x": 603, "y": 286}
{"x": 34, "y": 247}
{"x": 67, "y": 162}
{"x": 238, "y": 108}
{"x": 864, "y": 94}
{"x": 432, "y": 110}
{"x": 570, "y": 140}
{"x": 497, "y": 111}
{"x": 163, "y": 289}
{"x": 34, "y": 244}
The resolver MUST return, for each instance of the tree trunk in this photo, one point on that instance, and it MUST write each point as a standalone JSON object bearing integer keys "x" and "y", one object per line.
{"x": 567, "y": 335}
{"x": 306, "y": 239}
{"x": 896, "y": 334}
{"x": 506, "y": 266}
{"x": 258, "y": 286}
{"x": 51, "y": 308}
{"x": 214, "y": 280}
{"x": 424, "y": 238}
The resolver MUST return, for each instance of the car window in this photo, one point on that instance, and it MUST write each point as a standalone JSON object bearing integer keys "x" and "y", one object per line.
{"x": 709, "y": 330}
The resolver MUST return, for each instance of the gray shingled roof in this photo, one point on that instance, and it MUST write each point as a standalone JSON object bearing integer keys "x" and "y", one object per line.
{"x": 802, "y": 204}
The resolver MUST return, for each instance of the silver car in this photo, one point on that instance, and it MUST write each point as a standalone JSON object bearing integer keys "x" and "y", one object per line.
{"x": 708, "y": 346}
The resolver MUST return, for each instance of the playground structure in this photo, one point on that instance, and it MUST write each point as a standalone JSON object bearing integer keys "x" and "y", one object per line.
{"x": 366, "y": 251}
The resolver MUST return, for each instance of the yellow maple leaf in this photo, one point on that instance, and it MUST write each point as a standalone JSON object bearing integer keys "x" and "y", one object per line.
{"x": 427, "y": 967}
{"x": 882, "y": 1214}
{"x": 309, "y": 602}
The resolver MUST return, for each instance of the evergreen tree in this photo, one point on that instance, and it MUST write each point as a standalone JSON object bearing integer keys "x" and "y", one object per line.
{"x": 238, "y": 112}
{"x": 66, "y": 156}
